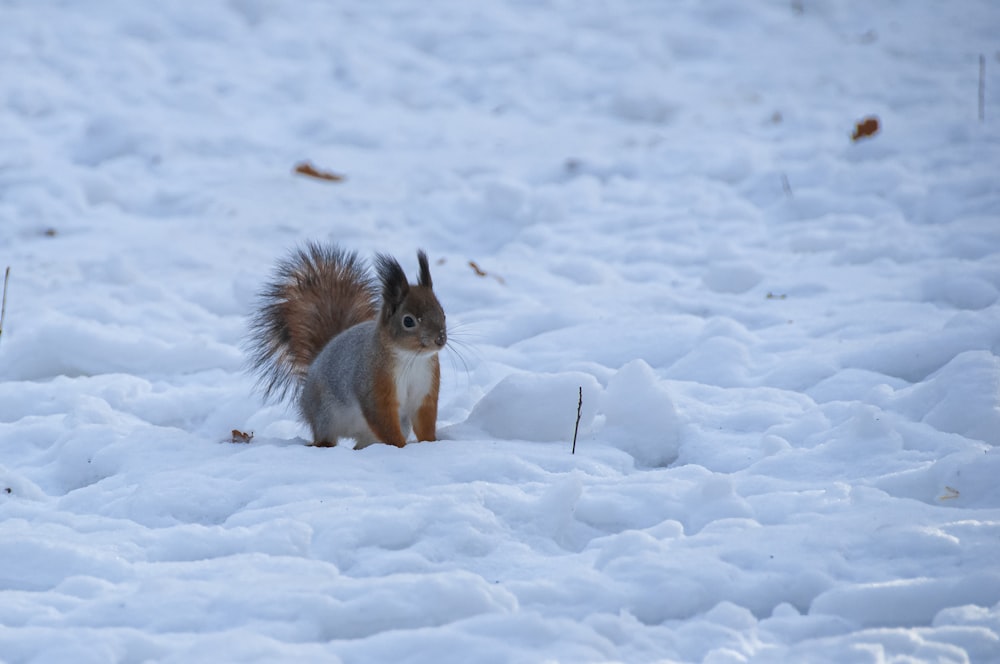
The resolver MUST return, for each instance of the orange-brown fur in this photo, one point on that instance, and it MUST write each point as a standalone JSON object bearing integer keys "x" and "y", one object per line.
{"x": 425, "y": 422}
{"x": 382, "y": 413}
{"x": 317, "y": 293}
{"x": 314, "y": 311}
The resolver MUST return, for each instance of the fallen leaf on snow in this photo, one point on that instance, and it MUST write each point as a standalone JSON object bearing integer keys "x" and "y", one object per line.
{"x": 950, "y": 494}
{"x": 241, "y": 437}
{"x": 865, "y": 128}
{"x": 307, "y": 169}
{"x": 483, "y": 273}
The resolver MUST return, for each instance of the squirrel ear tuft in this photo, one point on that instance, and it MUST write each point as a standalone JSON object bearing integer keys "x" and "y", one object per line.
{"x": 425, "y": 271}
{"x": 394, "y": 284}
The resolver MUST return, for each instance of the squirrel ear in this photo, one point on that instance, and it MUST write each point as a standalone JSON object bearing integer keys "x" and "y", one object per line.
{"x": 425, "y": 271}
{"x": 394, "y": 284}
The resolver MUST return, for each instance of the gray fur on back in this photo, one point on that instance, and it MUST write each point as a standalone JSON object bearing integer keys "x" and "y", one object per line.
{"x": 341, "y": 371}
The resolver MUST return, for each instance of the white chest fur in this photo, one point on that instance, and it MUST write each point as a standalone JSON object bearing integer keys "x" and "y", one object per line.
{"x": 413, "y": 375}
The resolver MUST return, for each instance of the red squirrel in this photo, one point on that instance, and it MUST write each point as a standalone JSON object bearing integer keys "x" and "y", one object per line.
{"x": 359, "y": 352}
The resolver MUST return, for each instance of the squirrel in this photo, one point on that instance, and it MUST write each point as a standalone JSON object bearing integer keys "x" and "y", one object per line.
{"x": 358, "y": 352}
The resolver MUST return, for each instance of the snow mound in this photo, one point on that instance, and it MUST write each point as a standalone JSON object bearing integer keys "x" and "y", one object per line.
{"x": 520, "y": 407}
{"x": 909, "y": 601}
{"x": 639, "y": 416}
{"x": 962, "y": 397}
{"x": 633, "y": 413}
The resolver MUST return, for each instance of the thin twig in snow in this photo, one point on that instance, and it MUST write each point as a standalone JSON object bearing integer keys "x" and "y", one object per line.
{"x": 579, "y": 405}
{"x": 786, "y": 185}
{"x": 982, "y": 87}
{"x": 3, "y": 305}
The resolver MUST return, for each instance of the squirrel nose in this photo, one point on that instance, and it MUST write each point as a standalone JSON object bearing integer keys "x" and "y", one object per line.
{"x": 441, "y": 339}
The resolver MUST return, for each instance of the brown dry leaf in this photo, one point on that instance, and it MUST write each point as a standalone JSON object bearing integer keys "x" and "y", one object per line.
{"x": 865, "y": 128}
{"x": 307, "y": 169}
{"x": 480, "y": 272}
{"x": 241, "y": 437}
{"x": 950, "y": 494}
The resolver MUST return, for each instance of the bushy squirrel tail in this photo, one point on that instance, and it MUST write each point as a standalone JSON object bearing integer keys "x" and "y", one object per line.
{"x": 316, "y": 293}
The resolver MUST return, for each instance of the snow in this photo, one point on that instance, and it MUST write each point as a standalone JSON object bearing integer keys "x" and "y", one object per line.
{"x": 787, "y": 342}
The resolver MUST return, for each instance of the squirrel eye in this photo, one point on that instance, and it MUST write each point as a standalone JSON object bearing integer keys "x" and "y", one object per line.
{"x": 409, "y": 322}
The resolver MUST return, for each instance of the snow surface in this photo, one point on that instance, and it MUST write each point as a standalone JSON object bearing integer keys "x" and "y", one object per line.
{"x": 788, "y": 342}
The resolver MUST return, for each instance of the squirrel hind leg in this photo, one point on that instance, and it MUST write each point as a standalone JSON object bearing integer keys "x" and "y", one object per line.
{"x": 323, "y": 436}
{"x": 361, "y": 442}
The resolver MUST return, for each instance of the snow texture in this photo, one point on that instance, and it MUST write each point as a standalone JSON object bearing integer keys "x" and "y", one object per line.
{"x": 787, "y": 341}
